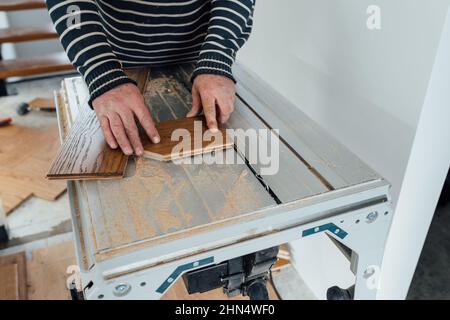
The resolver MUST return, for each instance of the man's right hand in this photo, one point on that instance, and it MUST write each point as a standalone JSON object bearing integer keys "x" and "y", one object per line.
{"x": 117, "y": 110}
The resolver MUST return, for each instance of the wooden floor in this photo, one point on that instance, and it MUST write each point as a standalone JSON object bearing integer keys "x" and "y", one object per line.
{"x": 25, "y": 156}
{"x": 50, "y": 267}
{"x": 13, "y": 277}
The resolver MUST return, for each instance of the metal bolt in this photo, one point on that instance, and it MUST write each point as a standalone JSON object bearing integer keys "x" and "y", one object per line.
{"x": 369, "y": 272}
{"x": 121, "y": 289}
{"x": 371, "y": 217}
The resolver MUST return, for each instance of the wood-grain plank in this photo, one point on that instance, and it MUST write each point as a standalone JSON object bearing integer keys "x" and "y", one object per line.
{"x": 85, "y": 155}
{"x": 25, "y": 155}
{"x": 48, "y": 272}
{"x": 23, "y": 67}
{"x": 16, "y": 5}
{"x": 21, "y": 34}
{"x": 19, "y": 260}
{"x": 9, "y": 282}
{"x": 42, "y": 104}
{"x": 185, "y": 137}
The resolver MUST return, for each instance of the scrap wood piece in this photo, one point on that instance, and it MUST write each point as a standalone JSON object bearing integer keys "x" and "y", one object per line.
{"x": 18, "y": 262}
{"x": 42, "y": 104}
{"x": 48, "y": 271}
{"x": 185, "y": 137}
{"x": 25, "y": 155}
{"x": 9, "y": 282}
{"x": 5, "y": 121}
{"x": 85, "y": 155}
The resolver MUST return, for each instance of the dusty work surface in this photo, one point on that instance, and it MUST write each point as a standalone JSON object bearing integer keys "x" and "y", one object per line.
{"x": 157, "y": 199}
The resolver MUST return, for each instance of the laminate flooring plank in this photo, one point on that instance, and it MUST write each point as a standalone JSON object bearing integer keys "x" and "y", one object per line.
{"x": 9, "y": 282}
{"x": 185, "y": 137}
{"x": 25, "y": 156}
{"x": 85, "y": 155}
{"x": 48, "y": 271}
{"x": 19, "y": 260}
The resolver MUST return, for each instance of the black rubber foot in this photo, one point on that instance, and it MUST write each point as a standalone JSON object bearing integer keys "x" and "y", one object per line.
{"x": 23, "y": 109}
{"x": 336, "y": 293}
{"x": 3, "y": 234}
{"x": 257, "y": 290}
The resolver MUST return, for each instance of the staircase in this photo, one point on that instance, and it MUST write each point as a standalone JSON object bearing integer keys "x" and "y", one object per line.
{"x": 30, "y": 66}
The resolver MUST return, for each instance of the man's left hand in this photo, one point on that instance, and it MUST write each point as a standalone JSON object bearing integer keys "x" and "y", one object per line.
{"x": 215, "y": 95}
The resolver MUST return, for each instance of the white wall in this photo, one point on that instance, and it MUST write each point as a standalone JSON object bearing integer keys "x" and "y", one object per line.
{"x": 8, "y": 51}
{"x": 367, "y": 88}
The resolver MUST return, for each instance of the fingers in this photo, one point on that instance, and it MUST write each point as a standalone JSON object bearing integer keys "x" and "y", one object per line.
{"x": 196, "y": 103}
{"x": 226, "y": 108}
{"x": 109, "y": 136}
{"x": 146, "y": 121}
{"x": 131, "y": 131}
{"x": 209, "y": 109}
{"x": 117, "y": 128}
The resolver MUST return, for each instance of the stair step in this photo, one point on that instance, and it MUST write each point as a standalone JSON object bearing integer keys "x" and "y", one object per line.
{"x": 20, "y": 34}
{"x": 15, "y": 5}
{"x": 31, "y": 66}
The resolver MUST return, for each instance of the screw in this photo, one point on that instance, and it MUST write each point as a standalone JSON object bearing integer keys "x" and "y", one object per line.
{"x": 371, "y": 217}
{"x": 369, "y": 272}
{"x": 121, "y": 289}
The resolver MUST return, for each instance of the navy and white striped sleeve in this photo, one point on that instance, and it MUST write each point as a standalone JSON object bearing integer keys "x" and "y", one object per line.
{"x": 82, "y": 36}
{"x": 229, "y": 28}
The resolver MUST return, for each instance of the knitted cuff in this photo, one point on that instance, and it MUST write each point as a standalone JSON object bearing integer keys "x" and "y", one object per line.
{"x": 105, "y": 78}
{"x": 213, "y": 63}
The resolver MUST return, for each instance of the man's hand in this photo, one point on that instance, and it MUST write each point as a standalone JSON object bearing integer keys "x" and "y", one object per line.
{"x": 117, "y": 110}
{"x": 211, "y": 91}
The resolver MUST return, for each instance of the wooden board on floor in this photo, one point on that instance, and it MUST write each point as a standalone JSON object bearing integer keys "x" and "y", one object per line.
{"x": 19, "y": 273}
{"x": 85, "y": 155}
{"x": 185, "y": 137}
{"x": 9, "y": 282}
{"x": 25, "y": 156}
{"x": 42, "y": 104}
{"x": 48, "y": 272}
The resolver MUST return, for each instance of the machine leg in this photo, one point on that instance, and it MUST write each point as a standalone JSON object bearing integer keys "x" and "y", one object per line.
{"x": 3, "y": 234}
{"x": 3, "y": 91}
{"x": 367, "y": 241}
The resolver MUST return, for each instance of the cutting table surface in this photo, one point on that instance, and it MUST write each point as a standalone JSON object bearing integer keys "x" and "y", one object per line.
{"x": 158, "y": 202}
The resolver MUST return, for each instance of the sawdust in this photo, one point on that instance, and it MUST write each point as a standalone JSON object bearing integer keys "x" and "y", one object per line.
{"x": 143, "y": 206}
{"x": 239, "y": 197}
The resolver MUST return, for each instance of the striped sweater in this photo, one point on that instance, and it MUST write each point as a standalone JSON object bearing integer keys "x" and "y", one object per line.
{"x": 101, "y": 37}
